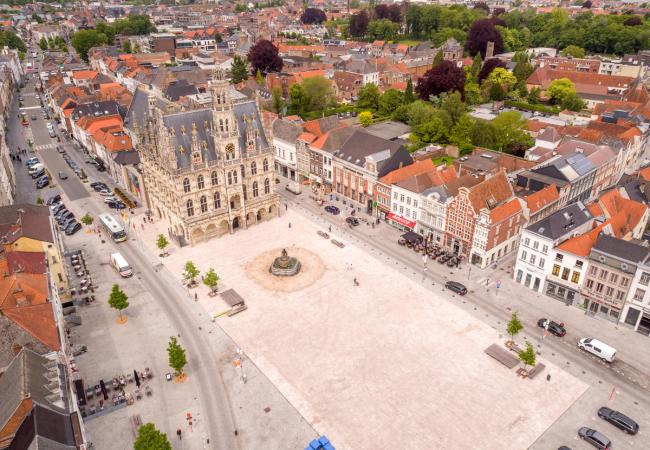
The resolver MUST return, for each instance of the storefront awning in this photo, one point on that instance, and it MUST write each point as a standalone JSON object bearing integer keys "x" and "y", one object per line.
{"x": 412, "y": 237}
{"x": 401, "y": 220}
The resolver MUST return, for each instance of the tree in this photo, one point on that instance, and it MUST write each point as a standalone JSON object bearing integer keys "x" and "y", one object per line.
{"x": 389, "y": 101}
{"x": 217, "y": 37}
{"x": 259, "y": 78}
{"x": 126, "y": 46}
{"x": 368, "y": 96}
{"x": 477, "y": 64}
{"x": 473, "y": 95}
{"x": 509, "y": 127}
{"x": 383, "y": 29}
{"x": 8, "y": 38}
{"x": 502, "y": 78}
{"x": 534, "y": 96}
{"x": 633, "y": 21}
{"x": 264, "y": 56}
{"x": 176, "y": 353}
{"x": 36, "y": 18}
{"x": 359, "y": 24}
{"x": 453, "y": 105}
{"x": 39, "y": 200}
{"x": 43, "y": 43}
{"x": 389, "y": 12}
{"x": 365, "y": 118}
{"x": 211, "y": 279}
{"x": 488, "y": 67}
{"x": 446, "y": 77}
{"x": 298, "y": 102}
{"x": 162, "y": 243}
{"x": 574, "y": 51}
{"x": 118, "y": 299}
{"x": 241, "y": 7}
{"x": 313, "y": 16}
{"x": 84, "y": 40}
{"x": 438, "y": 58}
{"x": 432, "y": 131}
{"x": 277, "y": 102}
{"x": 480, "y": 33}
{"x": 318, "y": 93}
{"x": 460, "y": 134}
{"x": 87, "y": 219}
{"x": 409, "y": 96}
{"x": 238, "y": 70}
{"x": 191, "y": 272}
{"x": 483, "y": 7}
{"x": 559, "y": 90}
{"x": 528, "y": 356}
{"x": 149, "y": 438}
{"x": 586, "y": 4}
{"x": 514, "y": 326}
{"x": 522, "y": 71}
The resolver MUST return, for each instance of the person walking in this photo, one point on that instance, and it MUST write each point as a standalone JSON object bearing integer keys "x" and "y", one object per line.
{"x": 289, "y": 224}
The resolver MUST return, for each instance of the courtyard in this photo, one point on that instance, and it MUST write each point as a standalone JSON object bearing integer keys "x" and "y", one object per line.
{"x": 386, "y": 364}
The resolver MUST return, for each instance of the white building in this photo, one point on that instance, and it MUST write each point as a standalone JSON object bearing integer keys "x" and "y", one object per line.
{"x": 536, "y": 256}
{"x": 432, "y": 218}
{"x": 285, "y": 134}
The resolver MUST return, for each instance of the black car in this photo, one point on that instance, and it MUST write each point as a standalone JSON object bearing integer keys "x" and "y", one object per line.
{"x": 53, "y": 200}
{"x": 595, "y": 438}
{"x": 57, "y": 209}
{"x": 116, "y": 205}
{"x": 60, "y": 213}
{"x": 352, "y": 221}
{"x": 97, "y": 183}
{"x": 100, "y": 187}
{"x": 72, "y": 228}
{"x": 553, "y": 327}
{"x": 456, "y": 287}
{"x": 62, "y": 219}
{"x": 66, "y": 223}
{"x": 332, "y": 209}
{"x": 619, "y": 420}
{"x": 43, "y": 182}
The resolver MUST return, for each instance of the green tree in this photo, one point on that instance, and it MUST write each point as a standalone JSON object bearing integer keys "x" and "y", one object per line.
{"x": 473, "y": 95}
{"x": 297, "y": 99}
{"x": 365, "y": 118}
{"x": 389, "y": 101}
{"x": 176, "y": 353}
{"x": 433, "y": 131}
{"x": 211, "y": 279}
{"x": 438, "y": 59}
{"x": 501, "y": 77}
{"x": 84, "y": 40}
{"x": 190, "y": 272}
{"x": 528, "y": 356}
{"x": 259, "y": 78}
{"x": 238, "y": 70}
{"x": 162, "y": 243}
{"x": 409, "y": 96}
{"x": 43, "y": 43}
{"x": 118, "y": 299}
{"x": 574, "y": 51}
{"x": 318, "y": 93}
{"x": 522, "y": 71}
{"x": 8, "y": 38}
{"x": 383, "y": 29}
{"x": 477, "y": 64}
{"x": 461, "y": 133}
{"x": 514, "y": 326}
{"x": 563, "y": 92}
{"x": 149, "y": 438}
{"x": 241, "y": 7}
{"x": 534, "y": 96}
{"x": 368, "y": 97}
{"x": 510, "y": 127}
{"x": 126, "y": 46}
{"x": 277, "y": 102}
{"x": 87, "y": 219}
{"x": 452, "y": 104}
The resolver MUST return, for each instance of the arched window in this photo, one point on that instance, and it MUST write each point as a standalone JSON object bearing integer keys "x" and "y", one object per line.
{"x": 265, "y": 165}
{"x": 253, "y": 168}
{"x": 190, "y": 208}
{"x": 221, "y": 125}
{"x": 229, "y": 177}
{"x": 234, "y": 175}
{"x": 204, "y": 204}
{"x": 226, "y": 122}
{"x": 267, "y": 186}
{"x": 255, "y": 189}
{"x": 217, "y": 200}
{"x": 243, "y": 172}
{"x": 215, "y": 178}
{"x": 186, "y": 185}
{"x": 200, "y": 181}
{"x": 244, "y": 191}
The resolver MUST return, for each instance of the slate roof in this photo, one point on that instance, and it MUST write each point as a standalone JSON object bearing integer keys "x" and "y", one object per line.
{"x": 388, "y": 155}
{"x": 34, "y": 222}
{"x": 96, "y": 109}
{"x": 561, "y": 222}
{"x": 127, "y": 158}
{"x": 45, "y": 429}
{"x": 286, "y": 130}
{"x": 620, "y": 248}
{"x": 180, "y": 88}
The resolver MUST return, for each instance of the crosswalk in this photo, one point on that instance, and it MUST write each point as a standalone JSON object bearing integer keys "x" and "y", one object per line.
{"x": 45, "y": 146}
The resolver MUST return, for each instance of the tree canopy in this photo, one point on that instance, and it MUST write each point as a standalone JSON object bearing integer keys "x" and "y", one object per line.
{"x": 445, "y": 77}
{"x": 313, "y": 16}
{"x": 149, "y": 438}
{"x": 480, "y": 33}
{"x": 264, "y": 56}
{"x": 238, "y": 70}
{"x": 359, "y": 23}
{"x": 10, "y": 39}
{"x": 84, "y": 40}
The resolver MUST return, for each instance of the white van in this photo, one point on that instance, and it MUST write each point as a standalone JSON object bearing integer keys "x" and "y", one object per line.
{"x": 36, "y": 168}
{"x": 120, "y": 264}
{"x": 294, "y": 187}
{"x": 598, "y": 348}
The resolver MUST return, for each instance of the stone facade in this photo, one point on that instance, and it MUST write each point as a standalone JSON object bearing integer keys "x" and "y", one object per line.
{"x": 207, "y": 172}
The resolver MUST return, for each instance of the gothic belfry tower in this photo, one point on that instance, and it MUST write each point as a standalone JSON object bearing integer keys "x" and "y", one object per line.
{"x": 224, "y": 123}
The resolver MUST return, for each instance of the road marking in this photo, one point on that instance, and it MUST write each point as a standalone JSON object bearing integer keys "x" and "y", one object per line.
{"x": 30, "y": 107}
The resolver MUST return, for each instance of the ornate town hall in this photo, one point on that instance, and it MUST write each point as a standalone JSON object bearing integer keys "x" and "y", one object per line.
{"x": 207, "y": 172}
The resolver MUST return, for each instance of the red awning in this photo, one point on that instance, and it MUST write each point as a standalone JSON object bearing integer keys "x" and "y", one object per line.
{"x": 401, "y": 220}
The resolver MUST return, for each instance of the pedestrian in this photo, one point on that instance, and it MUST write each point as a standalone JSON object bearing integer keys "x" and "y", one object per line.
{"x": 196, "y": 297}
{"x": 289, "y": 224}
{"x": 286, "y": 207}
{"x": 179, "y": 433}
{"x": 330, "y": 228}
{"x": 143, "y": 227}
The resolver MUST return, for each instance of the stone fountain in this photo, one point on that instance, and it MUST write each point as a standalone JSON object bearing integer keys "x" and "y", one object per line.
{"x": 284, "y": 265}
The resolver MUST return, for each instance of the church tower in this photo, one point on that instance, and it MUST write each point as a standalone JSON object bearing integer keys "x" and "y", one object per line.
{"x": 224, "y": 123}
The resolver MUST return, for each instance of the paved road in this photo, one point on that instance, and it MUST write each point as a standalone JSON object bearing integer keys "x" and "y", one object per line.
{"x": 202, "y": 366}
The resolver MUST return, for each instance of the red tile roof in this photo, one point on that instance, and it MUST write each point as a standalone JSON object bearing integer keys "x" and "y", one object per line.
{"x": 505, "y": 211}
{"x": 491, "y": 191}
{"x": 542, "y": 198}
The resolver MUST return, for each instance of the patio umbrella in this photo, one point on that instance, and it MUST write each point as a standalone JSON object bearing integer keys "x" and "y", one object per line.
{"x": 137, "y": 378}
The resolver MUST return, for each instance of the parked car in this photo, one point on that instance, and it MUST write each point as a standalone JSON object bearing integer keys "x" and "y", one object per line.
{"x": 53, "y": 200}
{"x": 60, "y": 213}
{"x": 38, "y": 174}
{"x": 105, "y": 192}
{"x": 63, "y": 176}
{"x": 42, "y": 182}
{"x": 97, "y": 183}
{"x": 72, "y": 228}
{"x": 65, "y": 217}
{"x": 111, "y": 199}
{"x": 456, "y": 287}
{"x": 352, "y": 221}
{"x": 598, "y": 348}
{"x": 332, "y": 209}
{"x": 595, "y": 438}
{"x": 619, "y": 420}
{"x": 31, "y": 161}
{"x": 116, "y": 205}
{"x": 66, "y": 223}
{"x": 553, "y": 327}
{"x": 57, "y": 209}
{"x": 33, "y": 117}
